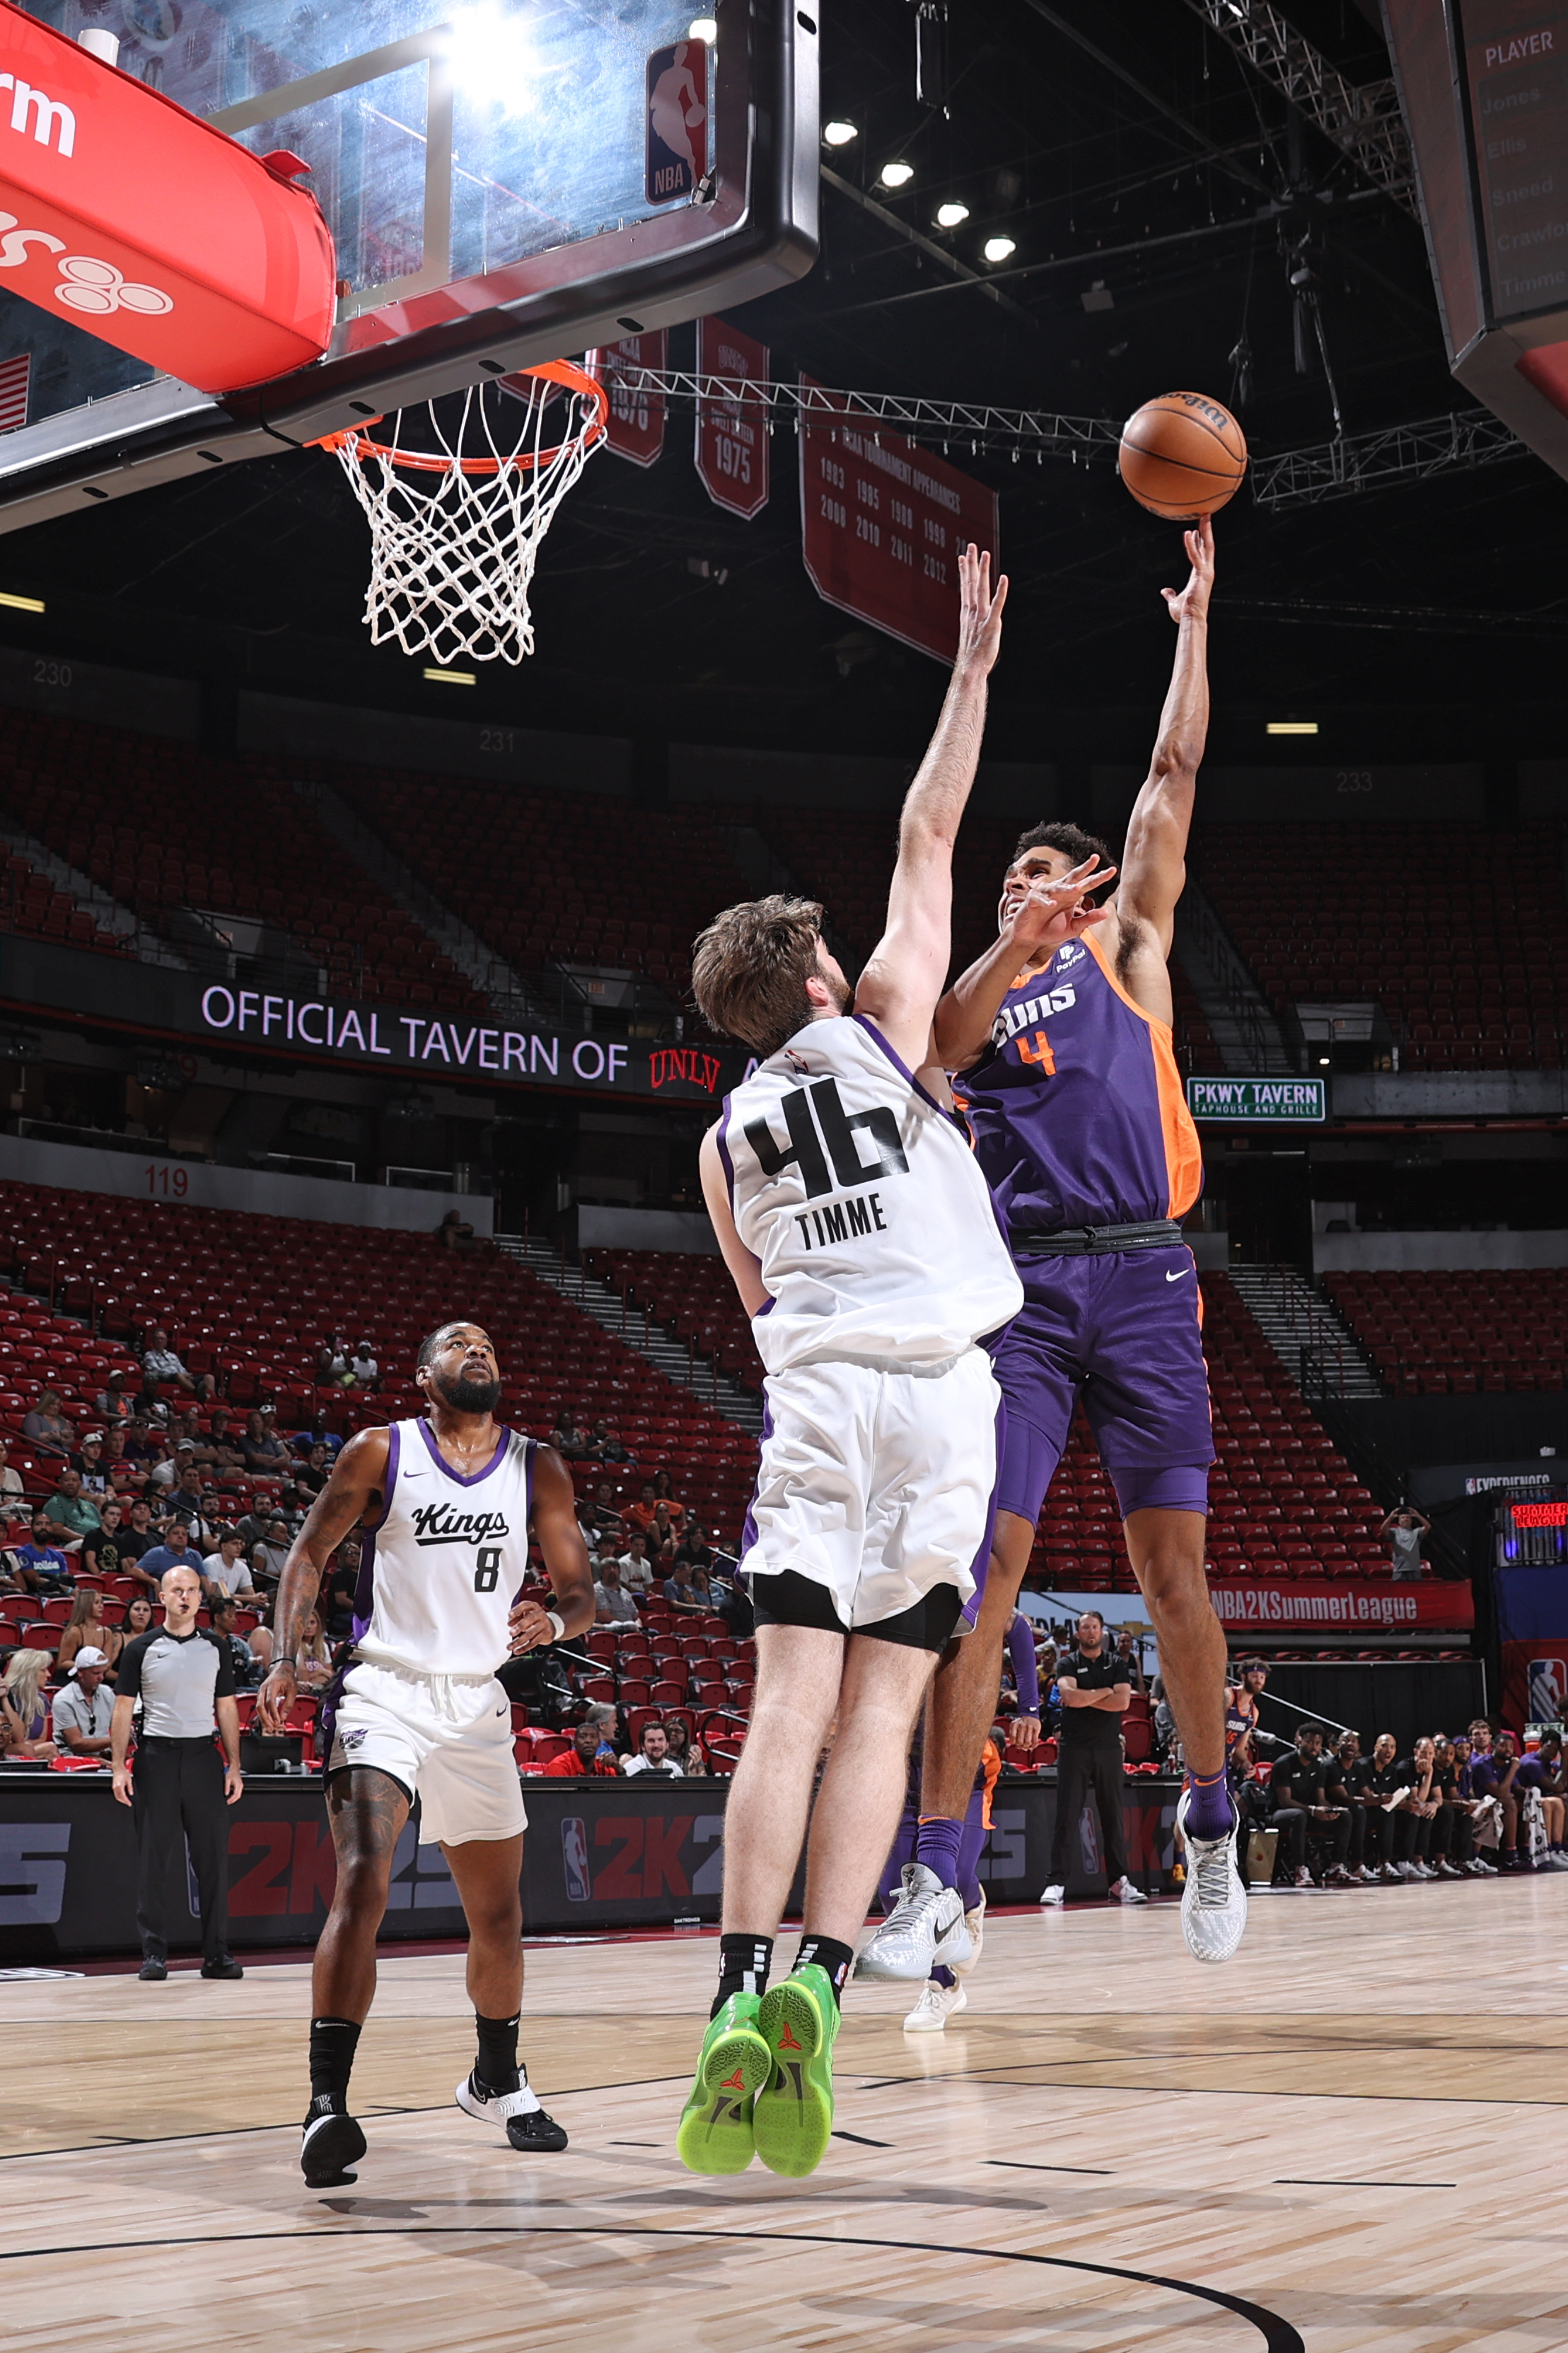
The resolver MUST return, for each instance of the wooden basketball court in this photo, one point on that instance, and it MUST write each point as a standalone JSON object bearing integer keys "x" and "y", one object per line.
{"x": 1354, "y": 2136}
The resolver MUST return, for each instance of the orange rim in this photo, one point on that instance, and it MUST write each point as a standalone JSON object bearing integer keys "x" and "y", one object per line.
{"x": 357, "y": 438}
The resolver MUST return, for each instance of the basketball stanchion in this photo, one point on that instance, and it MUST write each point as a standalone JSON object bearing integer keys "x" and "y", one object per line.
{"x": 455, "y": 529}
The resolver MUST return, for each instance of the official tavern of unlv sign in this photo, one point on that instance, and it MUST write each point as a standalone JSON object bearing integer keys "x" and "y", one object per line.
{"x": 1292, "y": 1100}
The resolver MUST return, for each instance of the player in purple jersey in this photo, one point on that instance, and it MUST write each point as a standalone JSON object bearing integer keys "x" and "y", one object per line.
{"x": 1062, "y": 1062}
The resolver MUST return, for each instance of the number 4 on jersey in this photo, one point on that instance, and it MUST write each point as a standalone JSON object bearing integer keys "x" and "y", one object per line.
{"x": 1038, "y": 1050}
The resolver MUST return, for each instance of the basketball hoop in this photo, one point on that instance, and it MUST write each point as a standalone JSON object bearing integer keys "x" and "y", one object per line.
{"x": 455, "y": 530}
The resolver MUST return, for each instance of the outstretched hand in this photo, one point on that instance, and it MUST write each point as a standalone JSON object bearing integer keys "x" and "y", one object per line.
{"x": 979, "y": 612}
{"x": 1192, "y": 603}
{"x": 1050, "y": 913}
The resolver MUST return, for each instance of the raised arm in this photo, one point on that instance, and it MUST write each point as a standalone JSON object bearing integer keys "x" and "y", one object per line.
{"x": 1154, "y": 862}
{"x": 1049, "y": 913}
{"x": 900, "y": 985}
{"x": 356, "y": 1486}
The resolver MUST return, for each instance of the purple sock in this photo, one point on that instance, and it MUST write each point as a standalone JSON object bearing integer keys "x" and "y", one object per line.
{"x": 936, "y": 1845}
{"x": 1209, "y": 1814}
{"x": 969, "y": 1853}
{"x": 943, "y": 1977}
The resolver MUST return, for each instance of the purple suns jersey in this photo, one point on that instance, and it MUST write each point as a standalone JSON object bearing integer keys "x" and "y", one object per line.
{"x": 1077, "y": 1108}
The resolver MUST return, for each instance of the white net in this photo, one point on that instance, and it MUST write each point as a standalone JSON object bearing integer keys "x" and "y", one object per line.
{"x": 458, "y": 513}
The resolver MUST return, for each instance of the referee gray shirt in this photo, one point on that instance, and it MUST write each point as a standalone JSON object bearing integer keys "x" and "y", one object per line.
{"x": 176, "y": 1678}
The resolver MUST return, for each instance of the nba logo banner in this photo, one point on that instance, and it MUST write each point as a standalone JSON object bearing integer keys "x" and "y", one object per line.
{"x": 635, "y": 430}
{"x": 731, "y": 451}
{"x": 1532, "y": 1628}
{"x": 676, "y": 123}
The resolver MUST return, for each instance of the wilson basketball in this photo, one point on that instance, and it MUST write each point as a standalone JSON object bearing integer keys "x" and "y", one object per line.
{"x": 1182, "y": 455}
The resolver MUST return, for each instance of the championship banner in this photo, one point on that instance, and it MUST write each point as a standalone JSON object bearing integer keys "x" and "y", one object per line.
{"x": 1532, "y": 1629}
{"x": 1250, "y": 1602}
{"x": 732, "y": 446}
{"x": 635, "y": 427}
{"x": 882, "y": 521}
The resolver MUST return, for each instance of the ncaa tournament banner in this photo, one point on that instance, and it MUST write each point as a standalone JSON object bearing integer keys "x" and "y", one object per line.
{"x": 732, "y": 446}
{"x": 1532, "y": 1629}
{"x": 882, "y": 521}
{"x": 635, "y": 427}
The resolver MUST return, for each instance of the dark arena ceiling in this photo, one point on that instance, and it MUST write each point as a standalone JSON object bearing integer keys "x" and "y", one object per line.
{"x": 1133, "y": 158}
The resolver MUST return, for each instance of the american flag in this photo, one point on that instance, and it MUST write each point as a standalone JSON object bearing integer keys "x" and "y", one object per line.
{"x": 14, "y": 391}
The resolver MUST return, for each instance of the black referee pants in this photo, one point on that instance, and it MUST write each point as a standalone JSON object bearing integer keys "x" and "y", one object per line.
{"x": 1087, "y": 1770}
{"x": 176, "y": 1785}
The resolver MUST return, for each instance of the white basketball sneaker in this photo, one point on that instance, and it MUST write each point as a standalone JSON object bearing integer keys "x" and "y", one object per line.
{"x": 924, "y": 1926}
{"x": 934, "y": 2007}
{"x": 1056, "y": 1894}
{"x": 1125, "y": 1893}
{"x": 1214, "y": 1901}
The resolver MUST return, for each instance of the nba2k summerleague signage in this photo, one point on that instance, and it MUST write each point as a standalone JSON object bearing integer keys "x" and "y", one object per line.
{"x": 635, "y": 427}
{"x": 1247, "y": 1603}
{"x": 882, "y": 521}
{"x": 732, "y": 449}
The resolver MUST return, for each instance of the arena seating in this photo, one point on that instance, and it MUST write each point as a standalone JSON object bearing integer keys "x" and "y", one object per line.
{"x": 1456, "y": 1331}
{"x": 1462, "y": 935}
{"x": 161, "y": 826}
{"x": 30, "y": 903}
{"x": 691, "y": 1297}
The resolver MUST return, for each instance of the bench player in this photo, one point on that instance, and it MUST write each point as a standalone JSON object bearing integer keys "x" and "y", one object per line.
{"x": 447, "y": 1500}
{"x": 1062, "y": 1062}
{"x": 858, "y": 1228}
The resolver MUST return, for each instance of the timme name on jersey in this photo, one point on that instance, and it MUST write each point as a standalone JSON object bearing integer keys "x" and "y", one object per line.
{"x": 440, "y": 1573}
{"x": 859, "y": 1195}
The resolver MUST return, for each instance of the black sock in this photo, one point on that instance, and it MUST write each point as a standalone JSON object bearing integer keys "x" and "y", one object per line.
{"x": 497, "y": 2067}
{"x": 333, "y": 2042}
{"x": 828, "y": 1954}
{"x": 743, "y": 1964}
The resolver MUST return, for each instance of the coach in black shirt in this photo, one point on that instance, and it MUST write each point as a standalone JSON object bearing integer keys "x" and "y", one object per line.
{"x": 1299, "y": 1786}
{"x": 1094, "y": 1689}
{"x": 185, "y": 1680}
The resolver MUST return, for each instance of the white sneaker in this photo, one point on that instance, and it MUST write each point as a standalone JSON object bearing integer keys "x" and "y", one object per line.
{"x": 1423, "y": 1871}
{"x": 1125, "y": 1893}
{"x": 1556, "y": 1860}
{"x": 1484, "y": 1869}
{"x": 1366, "y": 1874}
{"x": 934, "y": 2007}
{"x": 1390, "y": 1874}
{"x": 1214, "y": 1901}
{"x": 924, "y": 1926}
{"x": 1406, "y": 1870}
{"x": 1055, "y": 1894}
{"x": 974, "y": 1921}
{"x": 1303, "y": 1877}
{"x": 519, "y": 2114}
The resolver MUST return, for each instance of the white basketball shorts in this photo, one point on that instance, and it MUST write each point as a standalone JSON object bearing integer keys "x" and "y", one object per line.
{"x": 449, "y": 1742}
{"x": 877, "y": 1485}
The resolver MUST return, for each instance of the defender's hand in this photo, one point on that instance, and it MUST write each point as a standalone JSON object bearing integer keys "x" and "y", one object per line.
{"x": 979, "y": 613}
{"x": 275, "y": 1699}
{"x": 529, "y": 1629}
{"x": 1192, "y": 603}
{"x": 1025, "y": 1731}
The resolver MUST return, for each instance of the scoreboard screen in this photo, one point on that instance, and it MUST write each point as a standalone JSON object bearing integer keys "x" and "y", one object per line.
{"x": 1516, "y": 81}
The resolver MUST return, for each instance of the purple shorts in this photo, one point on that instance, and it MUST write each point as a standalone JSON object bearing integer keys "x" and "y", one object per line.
{"x": 1124, "y": 1329}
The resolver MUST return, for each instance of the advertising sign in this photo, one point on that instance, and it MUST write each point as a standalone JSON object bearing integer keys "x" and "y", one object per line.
{"x": 1290, "y": 1100}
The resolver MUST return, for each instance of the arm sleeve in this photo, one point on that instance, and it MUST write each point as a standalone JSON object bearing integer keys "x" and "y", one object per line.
{"x": 128, "y": 1672}
{"x": 1025, "y": 1675}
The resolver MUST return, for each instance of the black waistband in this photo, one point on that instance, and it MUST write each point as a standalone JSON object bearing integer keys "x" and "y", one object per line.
{"x": 176, "y": 1740}
{"x": 1095, "y": 1241}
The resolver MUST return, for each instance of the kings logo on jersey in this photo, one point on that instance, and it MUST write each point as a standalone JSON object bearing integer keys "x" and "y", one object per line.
{"x": 439, "y": 1523}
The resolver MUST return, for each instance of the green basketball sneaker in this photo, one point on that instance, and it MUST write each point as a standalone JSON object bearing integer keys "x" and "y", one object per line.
{"x": 715, "y": 2132}
{"x": 798, "y": 2019}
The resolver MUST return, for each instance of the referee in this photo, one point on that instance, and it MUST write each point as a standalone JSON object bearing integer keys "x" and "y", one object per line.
{"x": 184, "y": 1677}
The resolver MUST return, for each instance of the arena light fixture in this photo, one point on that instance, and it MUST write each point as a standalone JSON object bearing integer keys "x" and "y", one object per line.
{"x": 952, "y": 216}
{"x": 1000, "y": 249}
{"x": 1292, "y": 727}
{"x": 452, "y": 677}
{"x": 21, "y": 603}
{"x": 702, "y": 29}
{"x": 897, "y": 175}
{"x": 840, "y": 134}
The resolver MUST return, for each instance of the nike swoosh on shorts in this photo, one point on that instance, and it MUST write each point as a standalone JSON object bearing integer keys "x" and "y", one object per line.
{"x": 1181, "y": 1270}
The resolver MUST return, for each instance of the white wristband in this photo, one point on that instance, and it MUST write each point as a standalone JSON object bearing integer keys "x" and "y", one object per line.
{"x": 558, "y": 1624}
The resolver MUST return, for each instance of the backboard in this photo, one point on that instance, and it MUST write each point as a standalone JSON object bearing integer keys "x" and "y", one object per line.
{"x": 506, "y": 180}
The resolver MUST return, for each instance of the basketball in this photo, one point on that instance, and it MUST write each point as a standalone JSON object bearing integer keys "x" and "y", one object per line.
{"x": 1182, "y": 455}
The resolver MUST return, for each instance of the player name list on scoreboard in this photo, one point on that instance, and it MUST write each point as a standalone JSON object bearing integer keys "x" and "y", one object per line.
{"x": 1516, "y": 60}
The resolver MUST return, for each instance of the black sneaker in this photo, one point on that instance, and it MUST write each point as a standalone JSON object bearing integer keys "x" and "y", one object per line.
{"x": 226, "y": 1965}
{"x": 152, "y": 1971}
{"x": 527, "y": 2126}
{"x": 331, "y": 2143}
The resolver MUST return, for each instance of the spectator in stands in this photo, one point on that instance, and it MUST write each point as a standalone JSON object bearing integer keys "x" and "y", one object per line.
{"x": 639, "y": 1515}
{"x": 662, "y": 1532}
{"x": 148, "y": 1405}
{"x": 315, "y": 1668}
{"x": 679, "y": 1589}
{"x": 247, "y": 1669}
{"x": 113, "y": 1402}
{"x": 40, "y": 1566}
{"x": 86, "y": 1630}
{"x": 454, "y": 1233}
{"x": 267, "y": 1455}
{"x": 23, "y": 1713}
{"x": 82, "y": 1711}
{"x": 685, "y": 1751}
{"x": 332, "y": 1362}
{"x": 592, "y": 1750}
{"x": 139, "y": 1538}
{"x": 224, "y": 1449}
{"x": 160, "y": 1362}
{"x": 616, "y": 1603}
{"x": 636, "y": 1569}
{"x": 127, "y": 1478}
{"x": 10, "y": 1478}
{"x": 663, "y": 1493}
{"x": 653, "y": 1754}
{"x": 1404, "y": 1530}
{"x": 88, "y": 1464}
{"x": 162, "y": 1469}
{"x": 1164, "y": 1720}
{"x": 607, "y": 1447}
{"x": 184, "y": 1496}
{"x": 227, "y": 1571}
{"x": 268, "y": 1557}
{"x": 696, "y": 1551}
{"x": 568, "y": 1441}
{"x": 363, "y": 1370}
{"x": 599, "y": 1520}
{"x": 46, "y": 1427}
{"x": 1127, "y": 1656}
{"x": 175, "y": 1551}
{"x": 314, "y": 1472}
{"x": 339, "y": 1588}
{"x": 138, "y": 1618}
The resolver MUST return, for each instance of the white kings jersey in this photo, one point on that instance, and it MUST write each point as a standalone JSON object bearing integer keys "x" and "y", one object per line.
{"x": 866, "y": 1208}
{"x": 438, "y": 1577}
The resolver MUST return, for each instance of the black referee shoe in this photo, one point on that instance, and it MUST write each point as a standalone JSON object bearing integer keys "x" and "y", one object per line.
{"x": 331, "y": 2143}
{"x": 226, "y": 1965}
{"x": 152, "y": 1971}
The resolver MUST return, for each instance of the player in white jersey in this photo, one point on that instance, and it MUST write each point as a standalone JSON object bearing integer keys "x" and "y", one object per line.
{"x": 862, "y": 1239}
{"x": 447, "y": 1500}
